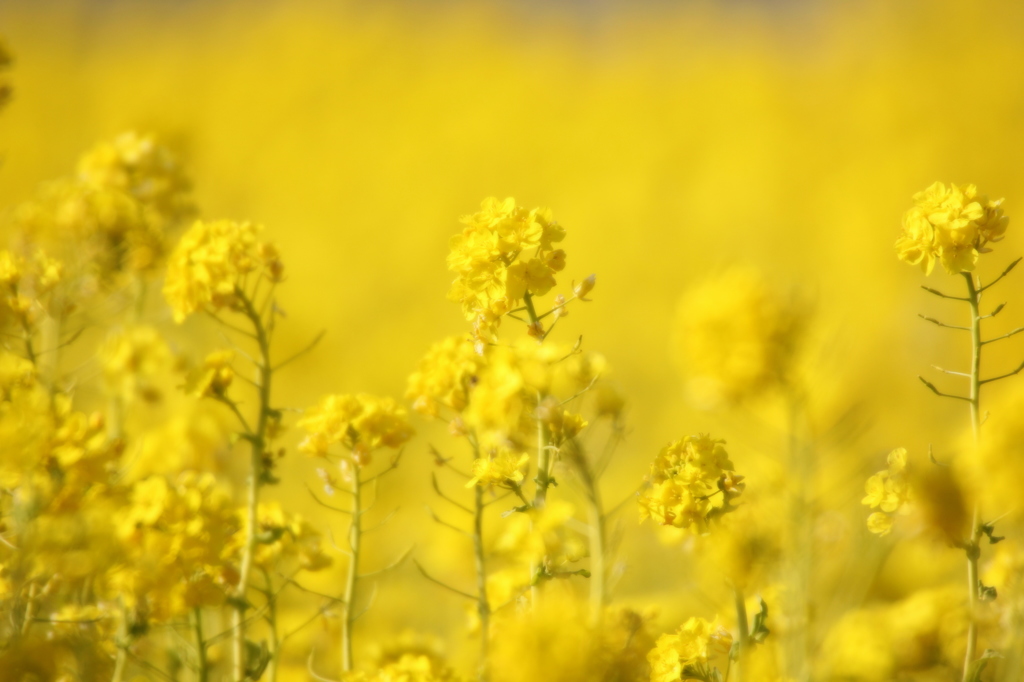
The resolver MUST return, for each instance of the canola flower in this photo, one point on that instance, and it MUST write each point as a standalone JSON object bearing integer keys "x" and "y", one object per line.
{"x": 692, "y": 481}
{"x": 689, "y": 653}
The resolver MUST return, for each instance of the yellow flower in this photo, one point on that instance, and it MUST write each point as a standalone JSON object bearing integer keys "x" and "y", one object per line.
{"x": 131, "y": 359}
{"x": 216, "y": 374}
{"x": 687, "y": 653}
{"x": 205, "y": 270}
{"x": 952, "y": 225}
{"x": 692, "y": 481}
{"x": 445, "y": 376}
{"x": 501, "y": 468}
{"x": 360, "y": 423}
{"x": 490, "y": 277}
{"x": 737, "y": 338}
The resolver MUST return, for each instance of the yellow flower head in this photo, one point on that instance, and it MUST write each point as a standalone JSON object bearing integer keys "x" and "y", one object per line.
{"x": 206, "y": 268}
{"x": 216, "y": 374}
{"x": 501, "y": 468}
{"x": 736, "y": 337}
{"x": 445, "y": 376}
{"x": 360, "y": 423}
{"x": 408, "y": 668}
{"x": 131, "y": 360}
{"x": 143, "y": 169}
{"x": 688, "y": 653}
{"x": 692, "y": 481}
{"x": 952, "y": 225}
{"x": 504, "y": 252}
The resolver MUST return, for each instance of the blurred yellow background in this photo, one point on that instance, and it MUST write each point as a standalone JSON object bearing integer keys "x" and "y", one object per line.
{"x": 672, "y": 140}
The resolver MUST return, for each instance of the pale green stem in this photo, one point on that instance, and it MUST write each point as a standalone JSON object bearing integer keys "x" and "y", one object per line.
{"x": 202, "y": 664}
{"x": 275, "y": 640}
{"x": 352, "y": 578}
{"x": 258, "y": 440}
{"x": 973, "y": 546}
{"x": 483, "y": 605}
{"x": 743, "y": 634}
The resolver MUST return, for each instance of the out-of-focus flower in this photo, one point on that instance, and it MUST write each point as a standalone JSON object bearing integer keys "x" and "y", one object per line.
{"x": 736, "y": 338}
{"x": 688, "y": 653}
{"x": 889, "y": 491}
{"x": 131, "y": 360}
{"x": 359, "y": 423}
{"x": 952, "y": 225}
{"x": 502, "y": 468}
{"x": 445, "y": 377}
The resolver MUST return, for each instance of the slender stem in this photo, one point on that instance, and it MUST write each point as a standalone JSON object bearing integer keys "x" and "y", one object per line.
{"x": 202, "y": 666}
{"x": 259, "y": 444}
{"x": 973, "y": 546}
{"x": 352, "y": 578}
{"x": 483, "y": 605}
{"x": 271, "y": 618}
{"x": 744, "y": 632}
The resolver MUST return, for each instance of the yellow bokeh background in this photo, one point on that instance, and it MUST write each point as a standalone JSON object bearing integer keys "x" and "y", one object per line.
{"x": 672, "y": 140}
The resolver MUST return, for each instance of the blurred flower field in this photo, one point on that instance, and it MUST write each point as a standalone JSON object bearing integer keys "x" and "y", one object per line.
{"x": 542, "y": 341}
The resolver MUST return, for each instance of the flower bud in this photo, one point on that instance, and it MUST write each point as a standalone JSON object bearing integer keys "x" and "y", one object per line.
{"x": 585, "y": 287}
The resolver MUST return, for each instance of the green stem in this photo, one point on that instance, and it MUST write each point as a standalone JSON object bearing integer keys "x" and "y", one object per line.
{"x": 202, "y": 665}
{"x": 275, "y": 640}
{"x": 483, "y": 605}
{"x": 744, "y": 632}
{"x": 352, "y": 578}
{"x": 973, "y": 546}
{"x": 258, "y": 442}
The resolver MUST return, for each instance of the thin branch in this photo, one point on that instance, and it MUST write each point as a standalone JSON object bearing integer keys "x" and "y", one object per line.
{"x": 1006, "y": 272}
{"x": 390, "y": 567}
{"x": 614, "y": 510}
{"x": 940, "y": 393}
{"x": 498, "y": 498}
{"x": 369, "y": 604}
{"x": 324, "y": 504}
{"x": 995, "y": 312}
{"x": 444, "y": 523}
{"x": 444, "y": 585}
{"x": 391, "y": 467}
{"x": 943, "y": 324}
{"x": 382, "y": 522}
{"x": 148, "y": 666}
{"x": 582, "y": 391}
{"x": 942, "y": 295}
{"x": 312, "y": 344}
{"x": 230, "y": 326}
{"x": 949, "y": 371}
{"x": 1004, "y": 376}
{"x": 313, "y": 673}
{"x": 437, "y": 489}
{"x": 1016, "y": 331}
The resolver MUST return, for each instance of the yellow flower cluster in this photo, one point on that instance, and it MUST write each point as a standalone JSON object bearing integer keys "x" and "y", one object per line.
{"x": 502, "y": 468}
{"x": 504, "y": 253}
{"x": 25, "y": 284}
{"x": 359, "y": 423}
{"x": 445, "y": 376}
{"x": 888, "y": 490}
{"x": 282, "y": 536}
{"x": 952, "y": 225}
{"x": 127, "y": 194}
{"x": 131, "y": 359}
{"x": 215, "y": 376}
{"x": 689, "y": 653}
{"x": 208, "y": 268}
{"x": 176, "y": 537}
{"x": 737, "y": 338}
{"x": 692, "y": 481}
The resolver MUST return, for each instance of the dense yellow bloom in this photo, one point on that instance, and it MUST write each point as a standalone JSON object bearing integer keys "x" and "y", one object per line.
{"x": 144, "y": 170}
{"x": 209, "y": 264}
{"x": 887, "y": 490}
{"x": 360, "y": 423}
{"x": 176, "y": 535}
{"x": 952, "y": 225}
{"x": 25, "y": 284}
{"x": 688, "y": 653}
{"x": 736, "y": 337}
{"x": 281, "y": 536}
{"x": 503, "y": 253}
{"x": 501, "y": 468}
{"x": 692, "y": 480}
{"x": 445, "y": 376}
